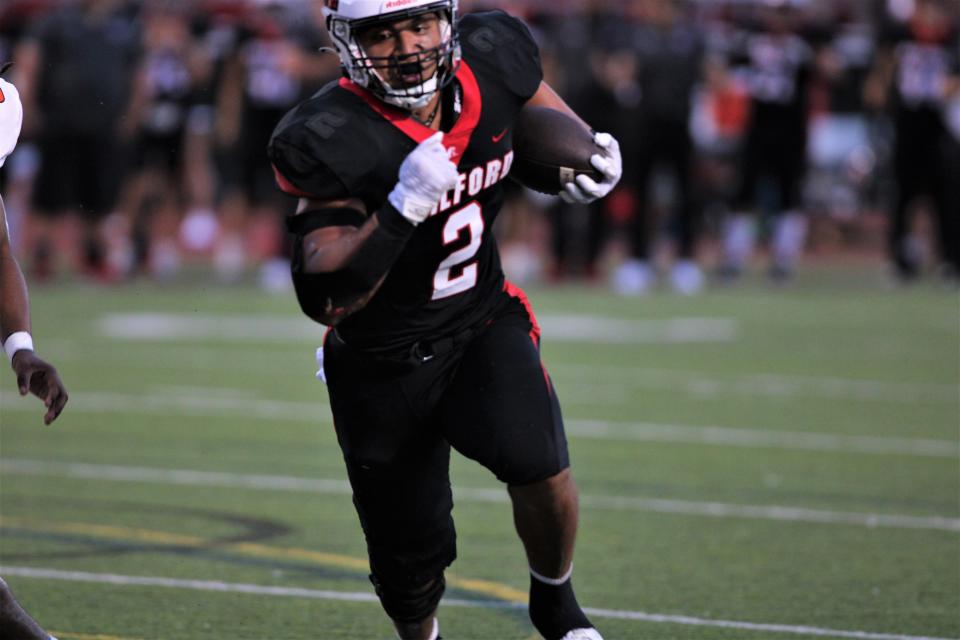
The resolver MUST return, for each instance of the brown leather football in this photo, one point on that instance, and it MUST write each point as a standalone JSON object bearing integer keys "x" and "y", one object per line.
{"x": 550, "y": 150}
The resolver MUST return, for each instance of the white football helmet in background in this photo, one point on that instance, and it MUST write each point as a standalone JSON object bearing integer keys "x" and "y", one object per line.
{"x": 345, "y": 18}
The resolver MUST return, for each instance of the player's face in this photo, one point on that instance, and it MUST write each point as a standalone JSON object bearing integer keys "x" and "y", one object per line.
{"x": 404, "y": 53}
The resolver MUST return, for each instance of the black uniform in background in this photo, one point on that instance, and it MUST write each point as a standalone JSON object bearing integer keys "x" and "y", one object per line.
{"x": 924, "y": 62}
{"x": 269, "y": 92}
{"x": 671, "y": 62}
{"x": 777, "y": 71}
{"x": 82, "y": 92}
{"x": 447, "y": 352}
{"x": 161, "y": 132}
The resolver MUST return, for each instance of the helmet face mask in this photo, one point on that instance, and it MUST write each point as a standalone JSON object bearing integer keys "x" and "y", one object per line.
{"x": 405, "y": 81}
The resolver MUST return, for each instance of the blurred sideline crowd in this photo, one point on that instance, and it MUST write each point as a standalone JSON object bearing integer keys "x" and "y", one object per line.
{"x": 749, "y": 128}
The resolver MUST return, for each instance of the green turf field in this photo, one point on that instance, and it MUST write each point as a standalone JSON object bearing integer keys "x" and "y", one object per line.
{"x": 753, "y": 464}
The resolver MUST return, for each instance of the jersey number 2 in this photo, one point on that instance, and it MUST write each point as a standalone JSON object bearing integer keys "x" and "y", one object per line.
{"x": 445, "y": 283}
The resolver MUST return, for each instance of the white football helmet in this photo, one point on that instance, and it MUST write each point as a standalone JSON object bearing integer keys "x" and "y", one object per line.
{"x": 11, "y": 117}
{"x": 346, "y": 17}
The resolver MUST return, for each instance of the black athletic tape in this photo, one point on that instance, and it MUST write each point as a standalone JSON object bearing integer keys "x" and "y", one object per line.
{"x": 303, "y": 223}
{"x": 382, "y": 248}
{"x": 318, "y": 292}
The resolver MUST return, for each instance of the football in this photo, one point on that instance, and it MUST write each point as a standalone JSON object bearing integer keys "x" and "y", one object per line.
{"x": 550, "y": 150}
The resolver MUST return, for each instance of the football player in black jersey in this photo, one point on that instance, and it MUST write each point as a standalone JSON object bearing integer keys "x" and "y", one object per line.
{"x": 916, "y": 75}
{"x": 778, "y": 65}
{"x": 400, "y": 168}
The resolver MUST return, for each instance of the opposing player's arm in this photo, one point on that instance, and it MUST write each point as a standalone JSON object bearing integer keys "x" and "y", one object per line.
{"x": 34, "y": 375}
{"x": 14, "y": 309}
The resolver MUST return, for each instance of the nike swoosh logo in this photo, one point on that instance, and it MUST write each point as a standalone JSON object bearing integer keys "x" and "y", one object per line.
{"x": 500, "y": 137}
{"x": 3, "y": 98}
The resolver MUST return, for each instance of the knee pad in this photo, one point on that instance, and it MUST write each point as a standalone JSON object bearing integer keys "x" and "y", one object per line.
{"x": 411, "y": 604}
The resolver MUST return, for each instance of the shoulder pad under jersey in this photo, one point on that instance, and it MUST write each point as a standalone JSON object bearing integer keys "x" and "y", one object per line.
{"x": 501, "y": 46}
{"x": 326, "y": 148}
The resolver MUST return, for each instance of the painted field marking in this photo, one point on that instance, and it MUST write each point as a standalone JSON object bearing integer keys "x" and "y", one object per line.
{"x": 618, "y": 380}
{"x": 342, "y": 596}
{"x": 773, "y": 385}
{"x": 267, "y": 329}
{"x": 68, "y": 635}
{"x": 776, "y": 513}
{"x": 249, "y": 549}
{"x": 223, "y": 403}
{"x": 762, "y": 438}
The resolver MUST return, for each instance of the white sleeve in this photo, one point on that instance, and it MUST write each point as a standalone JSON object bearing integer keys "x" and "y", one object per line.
{"x": 11, "y": 118}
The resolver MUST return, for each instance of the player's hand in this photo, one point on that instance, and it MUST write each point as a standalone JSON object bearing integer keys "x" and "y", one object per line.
{"x": 585, "y": 189}
{"x": 40, "y": 378}
{"x": 425, "y": 176}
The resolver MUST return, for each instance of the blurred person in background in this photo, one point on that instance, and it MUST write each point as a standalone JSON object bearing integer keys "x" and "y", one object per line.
{"x": 156, "y": 123}
{"x": 670, "y": 53}
{"x": 33, "y": 374}
{"x": 952, "y": 198}
{"x": 76, "y": 68}
{"x": 843, "y": 155}
{"x": 608, "y": 101}
{"x": 915, "y": 79}
{"x": 275, "y": 64}
{"x": 215, "y": 27}
{"x": 564, "y": 238}
{"x": 776, "y": 64}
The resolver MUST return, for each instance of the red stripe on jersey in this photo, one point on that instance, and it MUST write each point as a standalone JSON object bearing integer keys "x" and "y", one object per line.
{"x": 459, "y": 137}
{"x": 288, "y": 187}
{"x": 514, "y": 291}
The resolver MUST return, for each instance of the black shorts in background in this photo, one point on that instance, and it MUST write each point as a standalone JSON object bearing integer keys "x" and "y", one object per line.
{"x": 161, "y": 152}
{"x": 77, "y": 173}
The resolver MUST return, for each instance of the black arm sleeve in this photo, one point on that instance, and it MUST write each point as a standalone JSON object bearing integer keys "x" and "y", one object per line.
{"x": 321, "y": 295}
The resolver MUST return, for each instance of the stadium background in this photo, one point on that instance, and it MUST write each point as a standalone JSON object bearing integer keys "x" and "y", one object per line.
{"x": 764, "y": 459}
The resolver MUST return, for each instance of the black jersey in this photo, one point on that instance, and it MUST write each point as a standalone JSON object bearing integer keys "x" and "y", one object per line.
{"x": 924, "y": 66}
{"x": 776, "y": 69}
{"x": 170, "y": 87}
{"x": 343, "y": 142}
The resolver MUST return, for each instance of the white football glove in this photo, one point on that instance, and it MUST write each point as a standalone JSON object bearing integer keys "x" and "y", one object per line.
{"x": 585, "y": 189}
{"x": 11, "y": 117}
{"x": 425, "y": 176}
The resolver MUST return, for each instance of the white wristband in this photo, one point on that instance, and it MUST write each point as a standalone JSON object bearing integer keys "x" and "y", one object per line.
{"x": 17, "y": 341}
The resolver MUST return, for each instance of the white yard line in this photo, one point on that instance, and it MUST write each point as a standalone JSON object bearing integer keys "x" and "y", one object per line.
{"x": 776, "y": 513}
{"x": 267, "y": 329}
{"x": 579, "y": 382}
{"x": 239, "y": 403}
{"x": 763, "y": 438}
{"x": 196, "y": 404}
{"x": 774, "y": 385}
{"x": 346, "y": 596}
